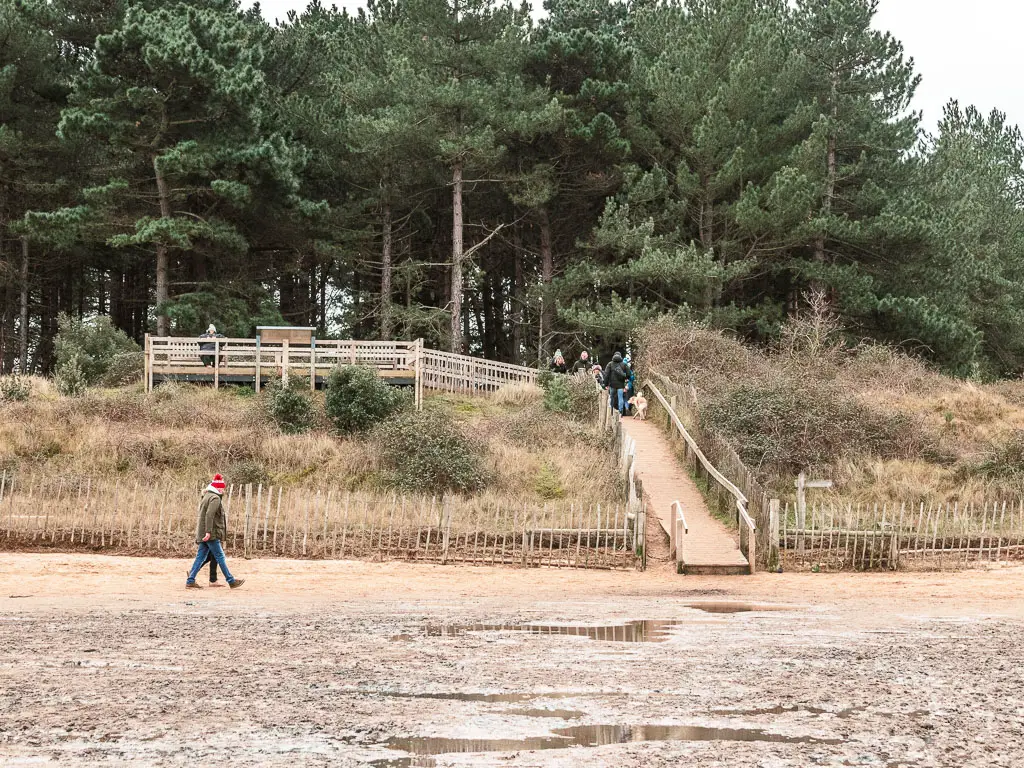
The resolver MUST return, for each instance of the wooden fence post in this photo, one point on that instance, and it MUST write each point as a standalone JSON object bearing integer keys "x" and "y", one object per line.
{"x": 248, "y": 514}
{"x": 801, "y": 510}
{"x": 774, "y": 555}
{"x": 446, "y": 518}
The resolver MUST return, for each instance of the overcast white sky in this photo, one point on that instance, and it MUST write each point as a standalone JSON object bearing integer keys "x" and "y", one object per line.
{"x": 963, "y": 49}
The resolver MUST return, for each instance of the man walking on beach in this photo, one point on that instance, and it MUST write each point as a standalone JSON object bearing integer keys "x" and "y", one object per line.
{"x": 211, "y": 528}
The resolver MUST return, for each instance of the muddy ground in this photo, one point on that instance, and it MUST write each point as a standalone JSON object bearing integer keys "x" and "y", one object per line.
{"x": 108, "y": 660}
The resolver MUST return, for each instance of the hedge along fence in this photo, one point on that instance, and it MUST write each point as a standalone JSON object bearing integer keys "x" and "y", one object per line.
{"x": 901, "y": 535}
{"x": 50, "y": 513}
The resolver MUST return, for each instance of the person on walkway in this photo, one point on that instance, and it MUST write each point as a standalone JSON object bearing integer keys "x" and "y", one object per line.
{"x": 211, "y": 529}
{"x": 615, "y": 377}
{"x": 598, "y": 375}
{"x": 209, "y": 346}
{"x": 583, "y": 364}
{"x": 558, "y": 363}
{"x": 629, "y": 391}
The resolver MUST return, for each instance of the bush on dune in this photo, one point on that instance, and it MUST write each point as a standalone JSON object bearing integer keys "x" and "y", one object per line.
{"x": 357, "y": 398}
{"x": 427, "y": 452}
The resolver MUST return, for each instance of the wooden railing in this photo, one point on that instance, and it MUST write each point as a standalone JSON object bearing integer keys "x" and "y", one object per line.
{"x": 747, "y": 528}
{"x": 625, "y": 450}
{"x": 450, "y": 372}
{"x": 251, "y": 359}
{"x": 677, "y": 531}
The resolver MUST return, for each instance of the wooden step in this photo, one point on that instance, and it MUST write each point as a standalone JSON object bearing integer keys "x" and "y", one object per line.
{"x": 715, "y": 570}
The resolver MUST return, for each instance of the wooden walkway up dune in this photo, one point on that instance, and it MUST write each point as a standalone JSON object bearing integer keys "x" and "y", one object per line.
{"x": 708, "y": 546}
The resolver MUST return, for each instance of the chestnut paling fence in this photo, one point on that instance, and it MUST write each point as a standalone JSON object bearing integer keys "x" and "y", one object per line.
{"x": 47, "y": 512}
{"x": 901, "y": 535}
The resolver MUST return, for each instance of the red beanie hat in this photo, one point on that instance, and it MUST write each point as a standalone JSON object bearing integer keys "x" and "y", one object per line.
{"x": 218, "y": 483}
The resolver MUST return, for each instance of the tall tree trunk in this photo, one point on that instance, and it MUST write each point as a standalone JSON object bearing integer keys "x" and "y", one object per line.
{"x": 547, "y": 272}
{"x": 117, "y": 297}
{"x": 325, "y": 271}
{"x": 163, "y": 322}
{"x": 516, "y": 299}
{"x": 286, "y": 289}
{"x": 458, "y": 340}
{"x": 385, "y": 274}
{"x": 23, "y": 338}
{"x": 830, "y": 176}
{"x": 706, "y": 221}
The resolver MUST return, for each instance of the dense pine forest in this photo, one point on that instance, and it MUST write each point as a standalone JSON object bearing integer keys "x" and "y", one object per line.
{"x": 452, "y": 170}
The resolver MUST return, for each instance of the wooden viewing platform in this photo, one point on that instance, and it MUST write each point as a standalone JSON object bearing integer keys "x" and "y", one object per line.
{"x": 280, "y": 353}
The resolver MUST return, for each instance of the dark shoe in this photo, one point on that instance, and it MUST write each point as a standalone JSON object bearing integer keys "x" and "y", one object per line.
{"x": 193, "y": 585}
{"x": 216, "y": 584}
{"x": 237, "y": 583}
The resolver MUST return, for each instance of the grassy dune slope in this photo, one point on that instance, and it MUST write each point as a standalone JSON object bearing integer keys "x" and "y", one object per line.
{"x": 879, "y": 423}
{"x": 183, "y": 433}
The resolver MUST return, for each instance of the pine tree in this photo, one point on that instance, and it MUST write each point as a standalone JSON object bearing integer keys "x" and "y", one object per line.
{"x": 472, "y": 102}
{"x": 175, "y": 92}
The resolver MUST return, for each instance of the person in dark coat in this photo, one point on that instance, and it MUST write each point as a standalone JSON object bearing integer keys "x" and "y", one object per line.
{"x": 211, "y": 529}
{"x": 616, "y": 374}
{"x": 209, "y": 346}
{"x": 583, "y": 364}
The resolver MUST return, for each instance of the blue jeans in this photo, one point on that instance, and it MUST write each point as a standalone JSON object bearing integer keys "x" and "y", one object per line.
{"x": 211, "y": 547}
{"x": 616, "y": 399}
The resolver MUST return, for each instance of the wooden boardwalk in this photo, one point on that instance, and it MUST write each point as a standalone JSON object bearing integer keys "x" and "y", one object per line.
{"x": 709, "y": 546}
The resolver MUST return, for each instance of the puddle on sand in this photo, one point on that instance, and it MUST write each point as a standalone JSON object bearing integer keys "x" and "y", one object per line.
{"x": 501, "y": 698}
{"x": 643, "y": 631}
{"x": 561, "y": 714}
{"x": 729, "y": 607}
{"x": 782, "y": 709}
{"x": 595, "y": 736}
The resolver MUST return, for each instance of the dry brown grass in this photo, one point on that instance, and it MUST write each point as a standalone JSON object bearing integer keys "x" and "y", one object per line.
{"x": 181, "y": 434}
{"x": 879, "y": 423}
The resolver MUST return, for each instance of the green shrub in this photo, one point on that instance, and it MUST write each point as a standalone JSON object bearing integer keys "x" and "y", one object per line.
{"x": 124, "y": 368}
{"x": 93, "y": 351}
{"x": 425, "y": 451}
{"x": 545, "y": 377}
{"x": 556, "y": 395}
{"x": 14, "y": 388}
{"x": 548, "y": 484}
{"x": 70, "y": 378}
{"x": 575, "y": 396}
{"x": 357, "y": 398}
{"x": 290, "y": 408}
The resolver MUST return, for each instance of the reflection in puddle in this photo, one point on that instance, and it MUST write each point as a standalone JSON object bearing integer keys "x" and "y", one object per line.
{"x": 562, "y": 714}
{"x": 782, "y": 709}
{"x": 644, "y": 631}
{"x": 595, "y": 736}
{"x": 503, "y": 698}
{"x": 726, "y": 607}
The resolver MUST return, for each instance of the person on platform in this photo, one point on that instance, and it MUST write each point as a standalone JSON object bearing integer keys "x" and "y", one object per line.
{"x": 558, "y": 363}
{"x": 583, "y": 364}
{"x": 209, "y": 346}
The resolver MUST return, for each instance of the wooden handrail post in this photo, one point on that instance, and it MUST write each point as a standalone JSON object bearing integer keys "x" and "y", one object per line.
{"x": 312, "y": 364}
{"x": 148, "y": 373}
{"x": 285, "y": 362}
{"x": 259, "y": 364}
{"x": 216, "y": 363}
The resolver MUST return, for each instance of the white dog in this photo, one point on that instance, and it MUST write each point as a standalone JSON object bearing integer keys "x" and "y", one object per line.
{"x": 639, "y": 405}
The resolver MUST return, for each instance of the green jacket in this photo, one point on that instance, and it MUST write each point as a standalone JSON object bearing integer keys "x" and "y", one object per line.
{"x": 212, "y": 518}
